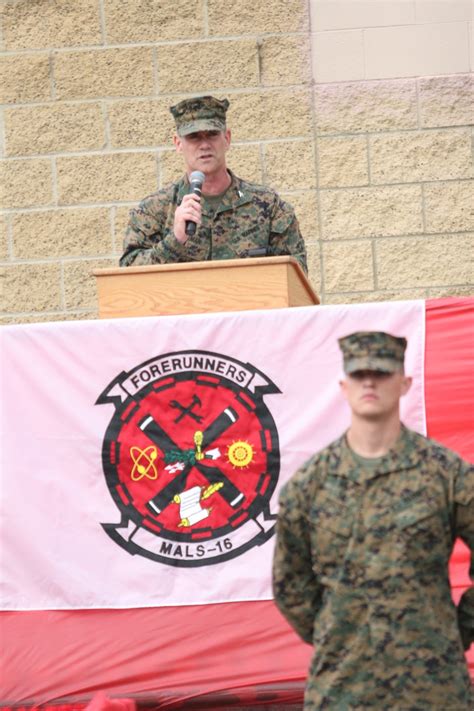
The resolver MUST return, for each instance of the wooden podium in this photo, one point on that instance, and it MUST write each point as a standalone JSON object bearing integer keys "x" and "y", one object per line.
{"x": 203, "y": 287}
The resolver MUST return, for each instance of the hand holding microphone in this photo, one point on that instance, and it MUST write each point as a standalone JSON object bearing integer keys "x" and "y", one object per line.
{"x": 188, "y": 214}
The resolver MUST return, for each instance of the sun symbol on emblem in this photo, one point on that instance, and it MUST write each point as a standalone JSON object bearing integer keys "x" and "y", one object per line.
{"x": 240, "y": 454}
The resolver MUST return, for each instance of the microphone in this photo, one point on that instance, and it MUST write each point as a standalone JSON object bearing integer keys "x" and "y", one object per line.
{"x": 196, "y": 180}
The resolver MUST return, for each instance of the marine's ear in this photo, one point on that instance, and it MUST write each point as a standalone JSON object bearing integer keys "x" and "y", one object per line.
{"x": 406, "y": 384}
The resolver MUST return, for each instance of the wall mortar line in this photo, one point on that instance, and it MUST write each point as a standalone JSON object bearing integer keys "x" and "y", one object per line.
{"x": 112, "y": 219}
{"x": 156, "y": 72}
{"x": 10, "y": 237}
{"x": 103, "y": 24}
{"x": 322, "y": 281}
{"x": 54, "y": 181}
{"x": 147, "y": 43}
{"x": 52, "y": 82}
{"x": 3, "y": 139}
{"x": 205, "y": 17}
{"x": 107, "y": 127}
{"x": 62, "y": 287}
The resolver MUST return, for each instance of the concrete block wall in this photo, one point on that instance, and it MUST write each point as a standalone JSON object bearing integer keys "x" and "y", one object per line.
{"x": 396, "y": 194}
{"x": 394, "y": 110}
{"x": 387, "y": 39}
{"x": 379, "y": 169}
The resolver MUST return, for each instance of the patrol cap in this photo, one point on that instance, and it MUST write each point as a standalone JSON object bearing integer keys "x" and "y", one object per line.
{"x": 203, "y": 113}
{"x": 373, "y": 350}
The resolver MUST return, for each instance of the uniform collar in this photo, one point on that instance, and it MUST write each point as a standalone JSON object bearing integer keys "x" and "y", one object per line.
{"x": 235, "y": 195}
{"x": 405, "y": 454}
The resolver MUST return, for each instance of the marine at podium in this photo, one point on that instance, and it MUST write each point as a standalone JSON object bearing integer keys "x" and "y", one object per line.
{"x": 209, "y": 213}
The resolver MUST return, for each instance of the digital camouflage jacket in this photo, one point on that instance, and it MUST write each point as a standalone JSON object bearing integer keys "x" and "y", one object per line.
{"x": 361, "y": 572}
{"x": 249, "y": 216}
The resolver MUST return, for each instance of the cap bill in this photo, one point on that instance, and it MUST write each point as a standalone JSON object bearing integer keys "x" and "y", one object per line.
{"x": 201, "y": 125}
{"x": 381, "y": 365}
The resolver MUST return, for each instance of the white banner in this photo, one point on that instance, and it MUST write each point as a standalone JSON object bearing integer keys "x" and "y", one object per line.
{"x": 142, "y": 458}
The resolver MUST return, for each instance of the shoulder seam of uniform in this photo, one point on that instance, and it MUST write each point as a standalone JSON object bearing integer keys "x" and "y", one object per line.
{"x": 256, "y": 187}
{"x": 165, "y": 191}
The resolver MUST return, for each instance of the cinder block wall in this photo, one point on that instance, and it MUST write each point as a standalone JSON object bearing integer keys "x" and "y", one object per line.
{"x": 379, "y": 168}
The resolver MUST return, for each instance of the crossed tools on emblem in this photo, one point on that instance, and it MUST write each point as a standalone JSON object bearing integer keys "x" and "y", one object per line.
{"x": 155, "y": 432}
{"x": 187, "y": 410}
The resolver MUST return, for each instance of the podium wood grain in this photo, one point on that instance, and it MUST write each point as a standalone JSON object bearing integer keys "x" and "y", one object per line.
{"x": 203, "y": 287}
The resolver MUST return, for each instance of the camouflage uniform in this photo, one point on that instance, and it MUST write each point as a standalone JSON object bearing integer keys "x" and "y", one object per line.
{"x": 361, "y": 572}
{"x": 249, "y": 217}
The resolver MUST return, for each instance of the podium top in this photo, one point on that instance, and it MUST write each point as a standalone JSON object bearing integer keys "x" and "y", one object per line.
{"x": 211, "y": 264}
{"x": 197, "y": 287}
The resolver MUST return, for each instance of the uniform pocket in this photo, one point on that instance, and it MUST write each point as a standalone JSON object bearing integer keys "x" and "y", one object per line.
{"x": 413, "y": 515}
{"x": 423, "y": 535}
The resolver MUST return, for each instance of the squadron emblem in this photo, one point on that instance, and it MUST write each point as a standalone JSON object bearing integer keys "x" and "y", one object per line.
{"x": 191, "y": 458}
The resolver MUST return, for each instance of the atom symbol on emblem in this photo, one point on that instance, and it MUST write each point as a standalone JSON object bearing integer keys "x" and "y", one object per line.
{"x": 148, "y": 456}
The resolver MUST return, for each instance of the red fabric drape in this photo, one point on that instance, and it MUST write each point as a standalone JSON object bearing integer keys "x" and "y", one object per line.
{"x": 449, "y": 399}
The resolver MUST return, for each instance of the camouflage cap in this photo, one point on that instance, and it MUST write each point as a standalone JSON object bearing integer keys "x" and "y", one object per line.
{"x": 372, "y": 350}
{"x": 203, "y": 113}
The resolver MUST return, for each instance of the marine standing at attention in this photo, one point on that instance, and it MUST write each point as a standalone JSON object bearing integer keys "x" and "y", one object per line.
{"x": 235, "y": 218}
{"x": 364, "y": 535}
